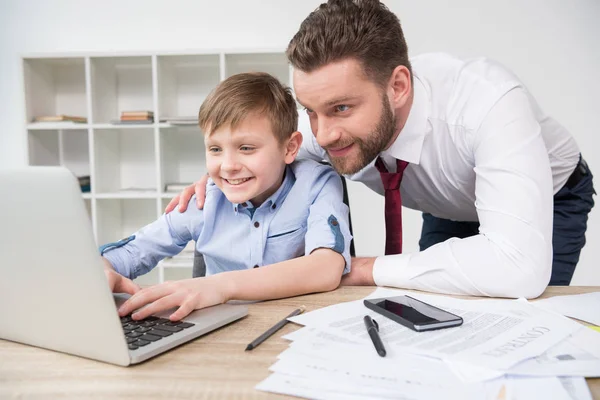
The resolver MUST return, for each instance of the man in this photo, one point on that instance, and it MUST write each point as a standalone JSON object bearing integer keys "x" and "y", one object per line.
{"x": 503, "y": 188}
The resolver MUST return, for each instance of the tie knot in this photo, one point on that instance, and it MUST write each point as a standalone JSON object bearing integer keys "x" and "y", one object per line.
{"x": 391, "y": 180}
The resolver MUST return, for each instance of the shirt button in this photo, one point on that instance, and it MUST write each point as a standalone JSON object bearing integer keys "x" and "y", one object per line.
{"x": 256, "y": 224}
{"x": 274, "y": 206}
{"x": 256, "y": 266}
{"x": 334, "y": 222}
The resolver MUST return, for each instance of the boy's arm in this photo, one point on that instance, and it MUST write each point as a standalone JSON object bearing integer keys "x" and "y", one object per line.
{"x": 318, "y": 272}
{"x": 327, "y": 244}
{"x": 164, "y": 237}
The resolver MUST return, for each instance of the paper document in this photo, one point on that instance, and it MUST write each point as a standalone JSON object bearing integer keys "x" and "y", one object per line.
{"x": 496, "y": 334}
{"x": 505, "y": 350}
{"x": 578, "y": 355}
{"x": 585, "y": 307}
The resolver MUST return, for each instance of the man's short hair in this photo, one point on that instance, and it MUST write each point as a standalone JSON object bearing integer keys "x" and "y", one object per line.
{"x": 365, "y": 30}
{"x": 250, "y": 94}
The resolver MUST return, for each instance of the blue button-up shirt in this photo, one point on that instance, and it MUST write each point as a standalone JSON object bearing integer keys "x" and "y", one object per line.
{"x": 306, "y": 213}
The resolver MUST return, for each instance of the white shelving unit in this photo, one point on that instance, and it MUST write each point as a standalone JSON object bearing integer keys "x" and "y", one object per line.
{"x": 129, "y": 165}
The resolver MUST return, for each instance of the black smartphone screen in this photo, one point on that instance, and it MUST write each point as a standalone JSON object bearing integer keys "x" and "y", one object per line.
{"x": 407, "y": 312}
{"x": 413, "y": 313}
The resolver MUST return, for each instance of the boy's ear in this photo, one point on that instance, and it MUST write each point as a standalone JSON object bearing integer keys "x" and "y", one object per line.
{"x": 292, "y": 147}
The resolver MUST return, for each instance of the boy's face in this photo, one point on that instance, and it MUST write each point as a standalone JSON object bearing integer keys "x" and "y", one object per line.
{"x": 247, "y": 163}
{"x": 350, "y": 115}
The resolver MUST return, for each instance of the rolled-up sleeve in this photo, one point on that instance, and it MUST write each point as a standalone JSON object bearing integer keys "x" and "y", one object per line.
{"x": 328, "y": 220}
{"x": 164, "y": 237}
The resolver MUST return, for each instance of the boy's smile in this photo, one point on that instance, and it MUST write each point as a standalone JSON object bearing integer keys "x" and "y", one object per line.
{"x": 236, "y": 182}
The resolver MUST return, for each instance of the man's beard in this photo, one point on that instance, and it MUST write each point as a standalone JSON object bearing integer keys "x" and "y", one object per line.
{"x": 369, "y": 148}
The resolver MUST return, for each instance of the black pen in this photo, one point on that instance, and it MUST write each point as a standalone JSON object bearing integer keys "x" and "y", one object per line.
{"x": 274, "y": 329}
{"x": 373, "y": 330}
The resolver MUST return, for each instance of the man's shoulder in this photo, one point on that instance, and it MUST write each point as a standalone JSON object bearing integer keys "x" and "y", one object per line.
{"x": 462, "y": 91}
{"x": 440, "y": 70}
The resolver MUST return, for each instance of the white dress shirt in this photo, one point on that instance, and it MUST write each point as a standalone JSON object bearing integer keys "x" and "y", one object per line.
{"x": 480, "y": 149}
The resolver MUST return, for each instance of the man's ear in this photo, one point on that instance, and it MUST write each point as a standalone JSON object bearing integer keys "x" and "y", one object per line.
{"x": 399, "y": 87}
{"x": 292, "y": 147}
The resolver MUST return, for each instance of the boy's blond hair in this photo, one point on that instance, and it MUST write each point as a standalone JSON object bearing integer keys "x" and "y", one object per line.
{"x": 253, "y": 93}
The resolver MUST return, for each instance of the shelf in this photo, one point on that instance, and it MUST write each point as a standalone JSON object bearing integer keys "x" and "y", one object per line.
{"x": 184, "y": 82}
{"x": 169, "y": 195}
{"x": 133, "y": 194}
{"x": 55, "y": 86}
{"x": 120, "y": 84}
{"x": 123, "y": 126}
{"x": 119, "y": 218}
{"x": 55, "y": 126}
{"x": 43, "y": 148}
{"x": 67, "y": 148}
{"x": 129, "y": 165}
{"x": 75, "y": 153}
{"x": 275, "y": 64}
{"x": 183, "y": 156}
{"x": 127, "y": 158}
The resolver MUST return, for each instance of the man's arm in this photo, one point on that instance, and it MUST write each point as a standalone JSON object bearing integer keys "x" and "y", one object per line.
{"x": 512, "y": 254}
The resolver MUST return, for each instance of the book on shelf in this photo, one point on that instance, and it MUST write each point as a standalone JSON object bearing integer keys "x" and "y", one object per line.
{"x": 132, "y": 122}
{"x": 182, "y": 120}
{"x": 85, "y": 183}
{"x": 144, "y": 114}
{"x": 59, "y": 118}
{"x": 176, "y": 186}
{"x": 136, "y": 117}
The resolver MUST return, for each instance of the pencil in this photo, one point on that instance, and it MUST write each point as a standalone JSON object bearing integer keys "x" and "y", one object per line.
{"x": 269, "y": 332}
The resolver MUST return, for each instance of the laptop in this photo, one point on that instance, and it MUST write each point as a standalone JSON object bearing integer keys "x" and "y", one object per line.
{"x": 53, "y": 291}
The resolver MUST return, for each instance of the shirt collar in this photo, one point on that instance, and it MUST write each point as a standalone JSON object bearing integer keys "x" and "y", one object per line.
{"x": 276, "y": 198}
{"x": 409, "y": 143}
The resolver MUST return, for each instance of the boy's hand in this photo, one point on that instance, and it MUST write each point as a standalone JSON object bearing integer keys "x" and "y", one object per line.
{"x": 183, "y": 198}
{"x": 188, "y": 294}
{"x": 119, "y": 284}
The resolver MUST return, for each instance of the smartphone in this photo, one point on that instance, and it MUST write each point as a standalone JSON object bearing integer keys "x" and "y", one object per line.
{"x": 414, "y": 314}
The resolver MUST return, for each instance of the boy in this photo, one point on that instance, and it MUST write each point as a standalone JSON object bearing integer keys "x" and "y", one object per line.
{"x": 270, "y": 228}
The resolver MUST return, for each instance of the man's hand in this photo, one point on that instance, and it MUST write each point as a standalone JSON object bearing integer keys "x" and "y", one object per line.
{"x": 183, "y": 198}
{"x": 361, "y": 273}
{"x": 188, "y": 294}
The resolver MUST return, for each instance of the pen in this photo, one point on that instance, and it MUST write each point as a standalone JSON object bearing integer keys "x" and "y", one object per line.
{"x": 373, "y": 330}
{"x": 274, "y": 329}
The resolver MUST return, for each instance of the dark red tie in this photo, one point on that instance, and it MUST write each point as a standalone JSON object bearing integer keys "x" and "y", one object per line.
{"x": 393, "y": 205}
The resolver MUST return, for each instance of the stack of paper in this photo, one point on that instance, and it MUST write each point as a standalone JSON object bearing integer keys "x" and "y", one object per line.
{"x": 505, "y": 349}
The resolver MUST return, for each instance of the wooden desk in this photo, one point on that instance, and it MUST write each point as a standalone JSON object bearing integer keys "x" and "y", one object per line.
{"x": 212, "y": 366}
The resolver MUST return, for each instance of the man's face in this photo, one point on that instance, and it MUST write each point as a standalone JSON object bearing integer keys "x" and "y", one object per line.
{"x": 350, "y": 115}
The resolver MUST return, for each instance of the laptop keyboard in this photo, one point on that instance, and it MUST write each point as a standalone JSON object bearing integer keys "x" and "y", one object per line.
{"x": 151, "y": 329}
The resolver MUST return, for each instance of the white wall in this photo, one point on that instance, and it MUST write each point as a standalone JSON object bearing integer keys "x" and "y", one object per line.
{"x": 553, "y": 45}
